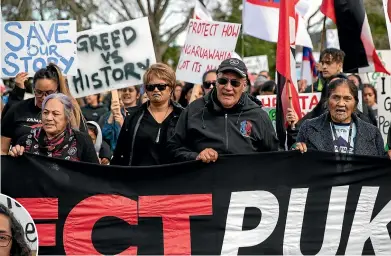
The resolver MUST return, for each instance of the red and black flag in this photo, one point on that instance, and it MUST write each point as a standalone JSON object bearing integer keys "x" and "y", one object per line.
{"x": 287, "y": 96}
{"x": 354, "y": 33}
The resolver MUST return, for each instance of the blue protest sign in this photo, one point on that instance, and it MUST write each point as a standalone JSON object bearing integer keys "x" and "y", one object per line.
{"x": 28, "y": 46}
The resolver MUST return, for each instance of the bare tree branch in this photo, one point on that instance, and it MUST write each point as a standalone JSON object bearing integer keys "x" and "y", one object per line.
{"x": 149, "y": 7}
{"x": 102, "y": 18}
{"x": 142, "y": 9}
{"x": 118, "y": 11}
{"x": 157, "y": 4}
{"x": 161, "y": 11}
{"x": 126, "y": 10}
{"x": 174, "y": 34}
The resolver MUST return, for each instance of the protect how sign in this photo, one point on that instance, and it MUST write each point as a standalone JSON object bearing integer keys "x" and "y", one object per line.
{"x": 288, "y": 203}
{"x": 28, "y": 46}
{"x": 112, "y": 57}
{"x": 207, "y": 44}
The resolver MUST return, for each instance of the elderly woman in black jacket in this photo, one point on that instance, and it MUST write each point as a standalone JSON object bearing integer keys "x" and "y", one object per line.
{"x": 340, "y": 130}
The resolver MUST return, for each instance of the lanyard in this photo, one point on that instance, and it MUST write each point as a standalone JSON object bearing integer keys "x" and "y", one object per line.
{"x": 336, "y": 136}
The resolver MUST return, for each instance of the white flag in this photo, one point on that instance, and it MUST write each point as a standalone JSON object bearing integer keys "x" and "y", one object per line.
{"x": 261, "y": 18}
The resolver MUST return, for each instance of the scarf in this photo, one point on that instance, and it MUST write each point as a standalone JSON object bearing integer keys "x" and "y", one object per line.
{"x": 62, "y": 146}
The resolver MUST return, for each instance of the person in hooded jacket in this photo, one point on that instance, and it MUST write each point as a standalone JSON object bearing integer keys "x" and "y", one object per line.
{"x": 225, "y": 121}
{"x": 102, "y": 149}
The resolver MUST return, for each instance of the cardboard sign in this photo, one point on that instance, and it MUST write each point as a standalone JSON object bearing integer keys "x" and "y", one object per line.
{"x": 24, "y": 218}
{"x": 307, "y": 101}
{"x": 256, "y": 64}
{"x": 28, "y": 46}
{"x": 207, "y": 44}
{"x": 382, "y": 83}
{"x": 112, "y": 57}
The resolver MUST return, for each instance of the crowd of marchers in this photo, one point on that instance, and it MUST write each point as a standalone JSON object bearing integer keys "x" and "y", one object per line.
{"x": 164, "y": 120}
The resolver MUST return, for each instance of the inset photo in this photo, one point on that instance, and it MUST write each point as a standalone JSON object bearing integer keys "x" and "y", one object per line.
{"x": 18, "y": 233}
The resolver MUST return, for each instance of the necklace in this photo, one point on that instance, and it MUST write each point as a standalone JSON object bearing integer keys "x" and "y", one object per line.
{"x": 157, "y": 140}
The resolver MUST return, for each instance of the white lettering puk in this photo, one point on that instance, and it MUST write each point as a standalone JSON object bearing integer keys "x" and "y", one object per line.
{"x": 235, "y": 237}
{"x": 333, "y": 230}
{"x": 363, "y": 228}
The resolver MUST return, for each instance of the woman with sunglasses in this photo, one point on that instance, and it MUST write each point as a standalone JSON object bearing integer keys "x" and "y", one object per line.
{"x": 209, "y": 80}
{"x": 143, "y": 137}
{"x": 26, "y": 115}
{"x": 112, "y": 122}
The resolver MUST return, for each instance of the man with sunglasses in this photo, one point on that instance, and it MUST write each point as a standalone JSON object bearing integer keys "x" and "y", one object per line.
{"x": 225, "y": 121}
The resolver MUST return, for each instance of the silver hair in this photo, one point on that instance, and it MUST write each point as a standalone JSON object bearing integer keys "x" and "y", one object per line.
{"x": 65, "y": 100}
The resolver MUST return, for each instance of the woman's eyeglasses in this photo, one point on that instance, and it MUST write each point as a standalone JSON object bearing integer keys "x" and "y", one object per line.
{"x": 208, "y": 84}
{"x": 160, "y": 87}
{"x": 224, "y": 81}
{"x": 5, "y": 240}
{"x": 40, "y": 93}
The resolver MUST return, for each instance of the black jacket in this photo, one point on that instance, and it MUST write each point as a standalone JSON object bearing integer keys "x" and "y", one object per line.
{"x": 245, "y": 128}
{"x": 123, "y": 152}
{"x": 91, "y": 113}
{"x": 317, "y": 135}
{"x": 15, "y": 96}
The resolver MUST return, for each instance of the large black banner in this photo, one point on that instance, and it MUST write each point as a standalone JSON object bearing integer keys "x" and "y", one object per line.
{"x": 273, "y": 203}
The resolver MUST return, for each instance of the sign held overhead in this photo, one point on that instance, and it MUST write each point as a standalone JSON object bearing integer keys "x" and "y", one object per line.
{"x": 207, "y": 44}
{"x": 28, "y": 46}
{"x": 112, "y": 57}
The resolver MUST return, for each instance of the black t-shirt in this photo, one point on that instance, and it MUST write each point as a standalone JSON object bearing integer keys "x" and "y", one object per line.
{"x": 20, "y": 119}
{"x": 147, "y": 151}
{"x": 93, "y": 113}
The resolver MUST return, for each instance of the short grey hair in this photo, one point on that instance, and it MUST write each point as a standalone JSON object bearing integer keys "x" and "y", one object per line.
{"x": 65, "y": 100}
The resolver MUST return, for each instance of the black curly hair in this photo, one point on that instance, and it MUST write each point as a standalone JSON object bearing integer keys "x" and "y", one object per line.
{"x": 19, "y": 244}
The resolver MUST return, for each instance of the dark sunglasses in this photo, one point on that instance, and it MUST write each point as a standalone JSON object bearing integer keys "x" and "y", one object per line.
{"x": 224, "y": 81}
{"x": 160, "y": 87}
{"x": 207, "y": 84}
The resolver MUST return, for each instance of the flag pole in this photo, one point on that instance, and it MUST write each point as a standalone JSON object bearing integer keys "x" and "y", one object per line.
{"x": 242, "y": 38}
{"x": 323, "y": 36}
{"x": 288, "y": 83}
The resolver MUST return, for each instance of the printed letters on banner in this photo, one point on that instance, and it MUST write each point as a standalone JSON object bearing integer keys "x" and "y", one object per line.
{"x": 282, "y": 203}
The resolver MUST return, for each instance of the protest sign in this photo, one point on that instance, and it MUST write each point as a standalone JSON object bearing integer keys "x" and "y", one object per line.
{"x": 280, "y": 203}
{"x": 112, "y": 57}
{"x": 307, "y": 102}
{"x": 24, "y": 218}
{"x": 207, "y": 44}
{"x": 28, "y": 46}
{"x": 382, "y": 83}
{"x": 256, "y": 64}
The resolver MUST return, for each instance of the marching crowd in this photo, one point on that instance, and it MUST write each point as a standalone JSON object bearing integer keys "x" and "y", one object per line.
{"x": 164, "y": 120}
